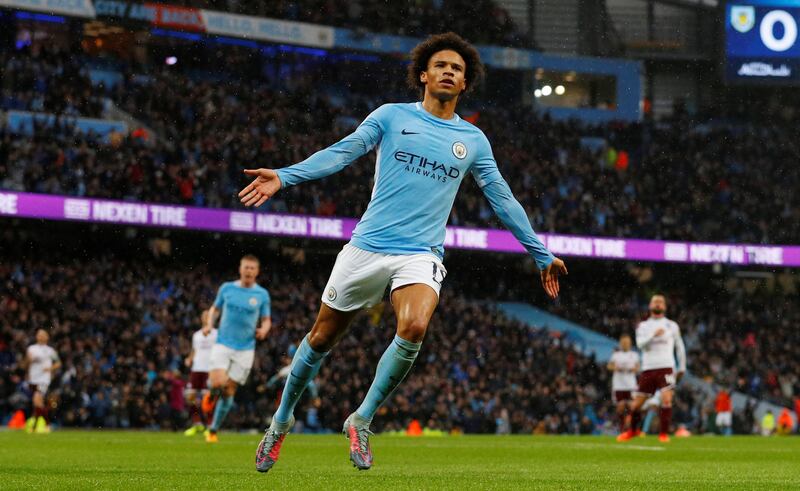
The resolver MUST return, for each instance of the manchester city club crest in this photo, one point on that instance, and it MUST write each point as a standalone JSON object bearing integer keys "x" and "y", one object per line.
{"x": 253, "y": 301}
{"x": 459, "y": 150}
{"x": 332, "y": 294}
{"x": 743, "y": 17}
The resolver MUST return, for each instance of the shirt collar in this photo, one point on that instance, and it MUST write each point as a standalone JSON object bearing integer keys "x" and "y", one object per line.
{"x": 455, "y": 119}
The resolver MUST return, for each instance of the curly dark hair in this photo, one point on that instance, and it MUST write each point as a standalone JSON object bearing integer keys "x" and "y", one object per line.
{"x": 421, "y": 54}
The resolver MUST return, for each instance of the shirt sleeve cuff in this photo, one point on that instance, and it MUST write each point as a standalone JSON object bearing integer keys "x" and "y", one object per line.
{"x": 283, "y": 178}
{"x": 543, "y": 263}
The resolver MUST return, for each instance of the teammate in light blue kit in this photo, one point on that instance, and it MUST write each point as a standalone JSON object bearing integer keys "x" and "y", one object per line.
{"x": 424, "y": 150}
{"x": 245, "y": 308}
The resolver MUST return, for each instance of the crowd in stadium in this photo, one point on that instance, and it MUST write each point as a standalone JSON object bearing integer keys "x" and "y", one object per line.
{"x": 122, "y": 333}
{"x": 671, "y": 180}
{"x": 123, "y": 330}
{"x": 746, "y": 342}
{"x": 486, "y": 21}
{"x": 51, "y": 82}
{"x": 123, "y": 336}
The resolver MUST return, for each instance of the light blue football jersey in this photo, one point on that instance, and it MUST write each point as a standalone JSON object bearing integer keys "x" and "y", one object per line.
{"x": 242, "y": 309}
{"x": 421, "y": 161}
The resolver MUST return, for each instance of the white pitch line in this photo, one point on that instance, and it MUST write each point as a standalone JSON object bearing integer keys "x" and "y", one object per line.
{"x": 620, "y": 447}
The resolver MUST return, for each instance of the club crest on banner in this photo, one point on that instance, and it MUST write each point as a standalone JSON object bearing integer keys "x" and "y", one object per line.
{"x": 743, "y": 17}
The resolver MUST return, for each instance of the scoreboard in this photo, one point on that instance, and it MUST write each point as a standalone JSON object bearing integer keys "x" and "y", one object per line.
{"x": 761, "y": 41}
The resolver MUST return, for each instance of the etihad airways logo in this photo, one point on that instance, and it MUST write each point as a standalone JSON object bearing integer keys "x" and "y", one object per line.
{"x": 417, "y": 164}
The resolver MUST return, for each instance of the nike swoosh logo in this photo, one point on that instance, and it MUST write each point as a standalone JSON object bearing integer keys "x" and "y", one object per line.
{"x": 409, "y": 132}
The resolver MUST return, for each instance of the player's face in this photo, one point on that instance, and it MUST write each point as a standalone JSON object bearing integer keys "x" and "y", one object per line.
{"x": 658, "y": 304}
{"x": 625, "y": 343}
{"x": 42, "y": 337}
{"x": 248, "y": 270}
{"x": 445, "y": 78}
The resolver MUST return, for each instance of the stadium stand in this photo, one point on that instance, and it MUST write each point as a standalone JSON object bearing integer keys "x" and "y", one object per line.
{"x": 122, "y": 331}
{"x": 122, "y": 327}
{"x": 680, "y": 179}
{"x": 489, "y": 22}
{"x": 737, "y": 330}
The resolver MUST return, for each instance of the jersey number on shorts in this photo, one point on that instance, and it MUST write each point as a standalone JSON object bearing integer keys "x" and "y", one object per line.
{"x": 438, "y": 272}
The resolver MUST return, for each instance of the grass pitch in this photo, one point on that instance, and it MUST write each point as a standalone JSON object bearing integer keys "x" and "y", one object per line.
{"x": 141, "y": 460}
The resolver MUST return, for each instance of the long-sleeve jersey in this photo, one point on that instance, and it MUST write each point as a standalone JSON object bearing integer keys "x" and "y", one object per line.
{"x": 42, "y": 358}
{"x": 625, "y": 364}
{"x": 660, "y": 351}
{"x": 201, "y": 347}
{"x": 421, "y": 161}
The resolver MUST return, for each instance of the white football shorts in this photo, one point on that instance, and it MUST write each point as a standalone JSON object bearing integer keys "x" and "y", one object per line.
{"x": 236, "y": 363}
{"x": 359, "y": 278}
{"x": 41, "y": 386}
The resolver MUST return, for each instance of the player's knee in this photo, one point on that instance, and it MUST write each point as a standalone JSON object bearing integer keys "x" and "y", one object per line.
{"x": 216, "y": 380}
{"x": 321, "y": 340}
{"x": 412, "y": 329}
{"x": 230, "y": 389}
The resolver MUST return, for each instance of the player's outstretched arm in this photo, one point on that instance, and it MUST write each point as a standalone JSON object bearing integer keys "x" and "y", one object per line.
{"x": 513, "y": 216}
{"x": 550, "y": 276}
{"x": 267, "y": 182}
{"x": 263, "y": 187}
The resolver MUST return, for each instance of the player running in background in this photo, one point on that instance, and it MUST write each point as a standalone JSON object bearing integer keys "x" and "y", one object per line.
{"x": 245, "y": 316}
{"x": 724, "y": 409}
{"x": 41, "y": 362}
{"x": 624, "y": 363}
{"x": 424, "y": 150}
{"x": 198, "y": 361}
{"x": 659, "y": 340}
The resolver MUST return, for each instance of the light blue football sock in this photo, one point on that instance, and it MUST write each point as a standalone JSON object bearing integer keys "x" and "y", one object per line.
{"x": 648, "y": 420}
{"x": 392, "y": 369}
{"x": 305, "y": 365}
{"x": 224, "y": 406}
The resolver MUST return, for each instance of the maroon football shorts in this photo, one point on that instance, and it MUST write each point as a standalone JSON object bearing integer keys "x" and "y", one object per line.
{"x": 651, "y": 381}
